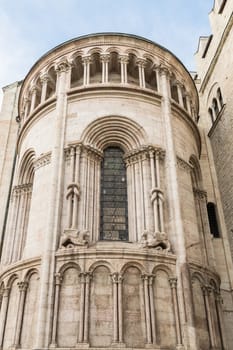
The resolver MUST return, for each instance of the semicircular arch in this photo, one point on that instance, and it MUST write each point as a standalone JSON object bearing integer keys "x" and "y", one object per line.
{"x": 120, "y": 131}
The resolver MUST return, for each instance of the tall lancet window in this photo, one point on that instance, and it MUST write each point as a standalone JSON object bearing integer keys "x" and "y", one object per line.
{"x": 114, "y": 206}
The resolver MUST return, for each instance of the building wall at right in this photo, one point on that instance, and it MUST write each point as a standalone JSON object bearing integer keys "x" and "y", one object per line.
{"x": 215, "y": 73}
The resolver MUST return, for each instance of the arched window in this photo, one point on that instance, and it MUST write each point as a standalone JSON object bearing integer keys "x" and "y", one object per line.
{"x": 219, "y": 96}
{"x": 215, "y": 106}
{"x": 213, "y": 220}
{"x": 174, "y": 93}
{"x": 210, "y": 111}
{"x": 114, "y": 206}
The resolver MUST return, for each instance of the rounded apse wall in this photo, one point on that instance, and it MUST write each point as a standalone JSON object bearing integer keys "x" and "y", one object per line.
{"x": 104, "y": 203}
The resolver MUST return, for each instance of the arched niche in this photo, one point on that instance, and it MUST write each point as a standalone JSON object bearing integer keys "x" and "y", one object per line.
{"x": 69, "y": 307}
{"x": 134, "y": 332}
{"x": 11, "y": 317}
{"x": 201, "y": 324}
{"x": 164, "y": 311}
{"x": 101, "y": 308}
{"x": 29, "y": 322}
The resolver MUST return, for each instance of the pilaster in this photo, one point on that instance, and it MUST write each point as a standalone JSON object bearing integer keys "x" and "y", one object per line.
{"x": 52, "y": 232}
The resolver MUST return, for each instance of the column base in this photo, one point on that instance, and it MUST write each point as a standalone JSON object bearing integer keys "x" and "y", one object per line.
{"x": 153, "y": 346}
{"x": 118, "y": 345}
{"x": 179, "y": 347}
{"x": 82, "y": 345}
{"x": 53, "y": 345}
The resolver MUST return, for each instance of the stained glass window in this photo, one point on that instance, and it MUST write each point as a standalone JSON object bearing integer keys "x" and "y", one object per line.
{"x": 114, "y": 206}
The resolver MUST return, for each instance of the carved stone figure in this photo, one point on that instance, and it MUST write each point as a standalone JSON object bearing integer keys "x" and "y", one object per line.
{"x": 74, "y": 238}
{"x": 157, "y": 240}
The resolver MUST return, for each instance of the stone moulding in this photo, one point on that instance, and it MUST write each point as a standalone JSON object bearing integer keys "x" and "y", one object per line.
{"x": 183, "y": 165}
{"x": 43, "y": 160}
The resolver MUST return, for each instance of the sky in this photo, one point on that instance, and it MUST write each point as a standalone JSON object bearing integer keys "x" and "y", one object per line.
{"x": 30, "y": 28}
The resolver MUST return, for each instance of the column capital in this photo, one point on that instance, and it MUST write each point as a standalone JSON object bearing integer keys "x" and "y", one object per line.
{"x": 173, "y": 282}
{"x": 22, "y": 286}
{"x": 78, "y": 148}
{"x": 124, "y": 58}
{"x": 151, "y": 279}
{"x": 6, "y": 292}
{"x": 164, "y": 71}
{"x": 26, "y": 99}
{"x": 72, "y": 151}
{"x": 33, "y": 88}
{"x": 62, "y": 66}
{"x": 179, "y": 83}
{"x": 200, "y": 194}
{"x": 58, "y": 278}
{"x": 88, "y": 276}
{"x": 105, "y": 57}
{"x": 82, "y": 276}
{"x": 141, "y": 62}
{"x": 44, "y": 77}
{"x": 205, "y": 290}
{"x": 86, "y": 59}
{"x": 114, "y": 277}
{"x": 145, "y": 277}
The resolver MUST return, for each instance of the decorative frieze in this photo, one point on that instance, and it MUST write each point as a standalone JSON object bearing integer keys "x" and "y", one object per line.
{"x": 22, "y": 189}
{"x": 43, "y": 160}
{"x": 183, "y": 165}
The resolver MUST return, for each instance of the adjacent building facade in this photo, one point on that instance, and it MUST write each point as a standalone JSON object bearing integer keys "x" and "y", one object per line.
{"x": 110, "y": 237}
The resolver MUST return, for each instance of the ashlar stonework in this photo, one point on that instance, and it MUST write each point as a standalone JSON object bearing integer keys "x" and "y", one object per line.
{"x": 105, "y": 230}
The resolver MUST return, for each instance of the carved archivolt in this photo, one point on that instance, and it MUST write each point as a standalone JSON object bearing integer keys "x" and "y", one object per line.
{"x": 43, "y": 160}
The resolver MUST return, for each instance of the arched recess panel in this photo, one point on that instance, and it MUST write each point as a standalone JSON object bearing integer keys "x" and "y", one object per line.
{"x": 69, "y": 309}
{"x": 215, "y": 318}
{"x": 164, "y": 313}
{"x": 200, "y": 316}
{"x": 30, "y": 312}
{"x": 11, "y": 315}
{"x": 101, "y": 308}
{"x": 133, "y": 309}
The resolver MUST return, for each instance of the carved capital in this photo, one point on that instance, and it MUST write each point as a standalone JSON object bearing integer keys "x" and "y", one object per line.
{"x": 33, "y": 89}
{"x": 141, "y": 62}
{"x": 151, "y": 279}
{"x": 145, "y": 278}
{"x": 44, "y": 78}
{"x": 205, "y": 290}
{"x": 82, "y": 276}
{"x": 200, "y": 194}
{"x": 163, "y": 70}
{"x": 22, "y": 286}
{"x": 173, "y": 282}
{"x": 6, "y": 292}
{"x": 105, "y": 57}
{"x": 114, "y": 277}
{"x": 124, "y": 59}
{"x": 86, "y": 59}
{"x": 88, "y": 277}
{"x": 43, "y": 160}
{"x": 22, "y": 189}
{"x": 58, "y": 279}
{"x": 63, "y": 66}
